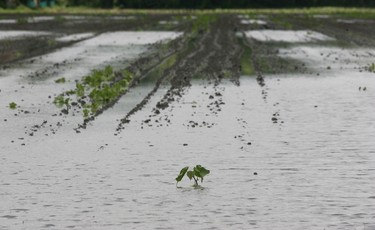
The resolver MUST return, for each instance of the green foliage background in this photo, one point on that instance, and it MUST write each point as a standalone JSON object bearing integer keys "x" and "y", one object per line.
{"x": 207, "y": 4}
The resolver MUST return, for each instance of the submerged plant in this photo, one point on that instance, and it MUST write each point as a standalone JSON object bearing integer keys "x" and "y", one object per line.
{"x": 198, "y": 172}
{"x": 371, "y": 68}
{"x": 61, "y": 101}
{"x": 96, "y": 91}
{"x": 60, "y": 80}
{"x": 22, "y": 20}
{"x": 12, "y": 105}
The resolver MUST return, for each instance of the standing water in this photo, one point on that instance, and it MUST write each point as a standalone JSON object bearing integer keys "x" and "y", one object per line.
{"x": 315, "y": 165}
{"x": 297, "y": 153}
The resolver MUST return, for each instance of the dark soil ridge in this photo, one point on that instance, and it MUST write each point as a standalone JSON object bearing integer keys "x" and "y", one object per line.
{"x": 215, "y": 55}
{"x": 139, "y": 68}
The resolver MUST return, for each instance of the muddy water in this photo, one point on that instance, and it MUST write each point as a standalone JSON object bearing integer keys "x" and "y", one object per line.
{"x": 315, "y": 170}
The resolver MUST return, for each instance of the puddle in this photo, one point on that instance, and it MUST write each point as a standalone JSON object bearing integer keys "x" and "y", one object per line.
{"x": 28, "y": 20}
{"x": 287, "y": 36}
{"x": 169, "y": 22}
{"x": 321, "y": 16}
{"x": 14, "y": 34}
{"x": 75, "y": 37}
{"x": 352, "y": 21}
{"x": 243, "y": 16}
{"x": 122, "y": 17}
{"x": 8, "y": 21}
{"x": 331, "y": 58}
{"x": 130, "y": 38}
{"x": 89, "y": 54}
{"x": 257, "y": 22}
{"x": 40, "y": 19}
{"x": 74, "y": 17}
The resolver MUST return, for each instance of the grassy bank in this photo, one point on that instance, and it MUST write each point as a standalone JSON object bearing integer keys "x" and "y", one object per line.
{"x": 341, "y": 11}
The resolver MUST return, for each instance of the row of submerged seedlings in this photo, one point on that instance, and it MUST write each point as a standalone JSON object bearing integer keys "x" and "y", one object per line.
{"x": 95, "y": 92}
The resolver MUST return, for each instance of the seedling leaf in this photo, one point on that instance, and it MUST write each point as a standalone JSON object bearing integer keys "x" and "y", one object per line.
{"x": 200, "y": 171}
{"x": 197, "y": 173}
{"x": 190, "y": 174}
{"x": 182, "y": 174}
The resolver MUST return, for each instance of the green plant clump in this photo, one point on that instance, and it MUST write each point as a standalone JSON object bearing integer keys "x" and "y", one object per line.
{"x": 197, "y": 173}
{"x": 22, "y": 21}
{"x": 12, "y": 105}
{"x": 101, "y": 91}
{"x": 60, "y": 80}
{"x": 61, "y": 101}
{"x": 96, "y": 90}
{"x": 371, "y": 68}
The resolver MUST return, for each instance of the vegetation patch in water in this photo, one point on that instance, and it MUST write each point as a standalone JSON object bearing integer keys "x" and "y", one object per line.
{"x": 371, "y": 68}
{"x": 12, "y": 105}
{"x": 198, "y": 172}
{"x": 95, "y": 91}
{"x": 60, "y": 80}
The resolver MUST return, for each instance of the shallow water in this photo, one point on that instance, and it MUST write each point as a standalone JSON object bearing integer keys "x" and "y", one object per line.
{"x": 287, "y": 36}
{"x": 252, "y": 21}
{"x": 315, "y": 164}
{"x": 19, "y": 33}
{"x": 315, "y": 170}
{"x": 75, "y": 37}
{"x": 8, "y": 21}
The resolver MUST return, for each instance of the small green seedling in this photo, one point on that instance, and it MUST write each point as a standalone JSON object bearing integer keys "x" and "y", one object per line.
{"x": 197, "y": 173}
{"x": 60, "y": 80}
{"x": 371, "y": 68}
{"x": 61, "y": 101}
{"x": 12, "y": 105}
{"x": 22, "y": 20}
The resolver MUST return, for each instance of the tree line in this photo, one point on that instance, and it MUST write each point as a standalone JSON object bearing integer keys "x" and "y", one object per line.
{"x": 212, "y": 4}
{"x": 207, "y": 4}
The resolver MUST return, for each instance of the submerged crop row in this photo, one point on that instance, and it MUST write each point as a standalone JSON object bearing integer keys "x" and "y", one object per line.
{"x": 95, "y": 91}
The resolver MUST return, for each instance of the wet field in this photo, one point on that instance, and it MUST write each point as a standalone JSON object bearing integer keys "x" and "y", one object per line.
{"x": 281, "y": 110}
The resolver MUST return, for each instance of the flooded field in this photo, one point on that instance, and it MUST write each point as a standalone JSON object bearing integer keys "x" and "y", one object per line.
{"x": 279, "y": 109}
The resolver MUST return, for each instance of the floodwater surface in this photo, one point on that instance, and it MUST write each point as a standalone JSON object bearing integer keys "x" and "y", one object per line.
{"x": 287, "y": 35}
{"x": 296, "y": 152}
{"x": 315, "y": 170}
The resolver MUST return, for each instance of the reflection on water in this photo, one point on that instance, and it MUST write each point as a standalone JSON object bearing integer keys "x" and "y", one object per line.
{"x": 315, "y": 164}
